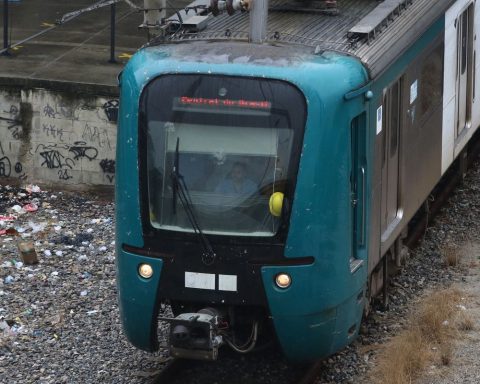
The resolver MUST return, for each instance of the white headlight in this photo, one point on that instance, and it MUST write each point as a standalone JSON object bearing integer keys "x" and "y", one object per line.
{"x": 283, "y": 280}
{"x": 145, "y": 270}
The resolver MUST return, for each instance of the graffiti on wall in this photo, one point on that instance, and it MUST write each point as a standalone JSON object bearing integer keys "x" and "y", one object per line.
{"x": 52, "y": 157}
{"x": 111, "y": 110}
{"x": 5, "y": 167}
{"x": 108, "y": 168}
{"x": 96, "y": 135}
{"x": 10, "y": 127}
{"x": 65, "y": 137}
{"x": 80, "y": 150}
{"x": 51, "y": 130}
{"x": 72, "y": 110}
{"x": 12, "y": 120}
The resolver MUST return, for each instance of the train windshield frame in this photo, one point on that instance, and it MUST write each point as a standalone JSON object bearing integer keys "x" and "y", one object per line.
{"x": 217, "y": 148}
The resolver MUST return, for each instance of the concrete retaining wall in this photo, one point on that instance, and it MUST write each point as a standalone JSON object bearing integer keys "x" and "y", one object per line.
{"x": 57, "y": 138}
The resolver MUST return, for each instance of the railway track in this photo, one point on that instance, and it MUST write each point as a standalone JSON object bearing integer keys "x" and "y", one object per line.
{"x": 311, "y": 373}
{"x": 172, "y": 369}
{"x": 174, "y": 372}
{"x": 231, "y": 369}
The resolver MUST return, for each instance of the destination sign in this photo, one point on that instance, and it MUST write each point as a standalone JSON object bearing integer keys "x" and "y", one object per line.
{"x": 208, "y": 102}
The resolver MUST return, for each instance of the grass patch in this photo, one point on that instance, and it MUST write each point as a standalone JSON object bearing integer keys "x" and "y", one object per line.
{"x": 451, "y": 255}
{"x": 404, "y": 356}
{"x": 430, "y": 337}
{"x": 470, "y": 252}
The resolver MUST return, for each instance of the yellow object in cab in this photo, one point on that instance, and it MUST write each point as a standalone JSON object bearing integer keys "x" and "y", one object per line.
{"x": 276, "y": 204}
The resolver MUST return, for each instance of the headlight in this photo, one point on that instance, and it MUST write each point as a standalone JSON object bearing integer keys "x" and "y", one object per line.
{"x": 283, "y": 280}
{"x": 145, "y": 270}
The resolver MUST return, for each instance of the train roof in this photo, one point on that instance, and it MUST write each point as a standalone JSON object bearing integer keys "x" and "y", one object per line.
{"x": 374, "y": 32}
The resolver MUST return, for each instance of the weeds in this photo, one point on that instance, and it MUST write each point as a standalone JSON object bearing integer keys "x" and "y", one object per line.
{"x": 430, "y": 338}
{"x": 436, "y": 315}
{"x": 467, "y": 253}
{"x": 465, "y": 322}
{"x": 451, "y": 256}
{"x": 404, "y": 356}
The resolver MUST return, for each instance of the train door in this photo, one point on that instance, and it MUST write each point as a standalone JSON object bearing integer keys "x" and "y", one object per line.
{"x": 464, "y": 26}
{"x": 391, "y": 122}
{"x": 358, "y": 185}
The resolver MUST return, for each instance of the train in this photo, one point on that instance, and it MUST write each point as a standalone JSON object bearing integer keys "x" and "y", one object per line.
{"x": 270, "y": 156}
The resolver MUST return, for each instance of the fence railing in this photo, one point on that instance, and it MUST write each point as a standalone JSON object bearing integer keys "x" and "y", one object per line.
{"x": 63, "y": 20}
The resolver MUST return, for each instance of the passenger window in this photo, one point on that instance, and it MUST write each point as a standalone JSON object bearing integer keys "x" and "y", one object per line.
{"x": 464, "y": 40}
{"x": 394, "y": 117}
{"x": 431, "y": 80}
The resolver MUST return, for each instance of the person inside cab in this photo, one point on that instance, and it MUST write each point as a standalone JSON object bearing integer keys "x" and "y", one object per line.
{"x": 237, "y": 183}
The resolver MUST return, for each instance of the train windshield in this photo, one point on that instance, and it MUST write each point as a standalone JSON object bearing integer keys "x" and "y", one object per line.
{"x": 217, "y": 149}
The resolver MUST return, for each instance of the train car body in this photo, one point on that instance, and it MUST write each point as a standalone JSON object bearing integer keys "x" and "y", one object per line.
{"x": 342, "y": 132}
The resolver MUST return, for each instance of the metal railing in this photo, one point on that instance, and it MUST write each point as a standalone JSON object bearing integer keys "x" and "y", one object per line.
{"x": 5, "y": 28}
{"x": 63, "y": 20}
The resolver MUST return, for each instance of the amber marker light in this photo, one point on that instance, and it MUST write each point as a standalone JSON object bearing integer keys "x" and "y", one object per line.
{"x": 283, "y": 280}
{"x": 145, "y": 270}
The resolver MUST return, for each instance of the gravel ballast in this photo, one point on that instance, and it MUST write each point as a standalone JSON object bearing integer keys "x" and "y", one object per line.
{"x": 59, "y": 320}
{"x": 456, "y": 226}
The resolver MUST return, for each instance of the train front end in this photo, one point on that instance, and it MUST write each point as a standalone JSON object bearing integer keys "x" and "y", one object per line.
{"x": 233, "y": 202}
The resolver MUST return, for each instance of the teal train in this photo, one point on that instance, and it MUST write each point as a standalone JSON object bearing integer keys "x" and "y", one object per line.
{"x": 263, "y": 186}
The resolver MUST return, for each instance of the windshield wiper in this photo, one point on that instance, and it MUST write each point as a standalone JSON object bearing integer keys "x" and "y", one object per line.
{"x": 180, "y": 190}
{"x": 175, "y": 177}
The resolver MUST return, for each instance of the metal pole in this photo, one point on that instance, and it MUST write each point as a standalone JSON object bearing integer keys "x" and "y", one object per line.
{"x": 5, "y": 28}
{"x": 112, "y": 33}
{"x": 258, "y": 21}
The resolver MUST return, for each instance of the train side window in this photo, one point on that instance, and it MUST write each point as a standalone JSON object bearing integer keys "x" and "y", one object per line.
{"x": 384, "y": 125}
{"x": 391, "y": 141}
{"x": 392, "y": 104}
{"x": 465, "y": 69}
{"x": 431, "y": 80}
{"x": 394, "y": 112}
{"x": 474, "y": 73}
{"x": 464, "y": 42}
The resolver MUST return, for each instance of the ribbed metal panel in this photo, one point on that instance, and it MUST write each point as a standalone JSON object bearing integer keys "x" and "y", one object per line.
{"x": 319, "y": 32}
{"x": 400, "y": 34}
{"x": 309, "y": 29}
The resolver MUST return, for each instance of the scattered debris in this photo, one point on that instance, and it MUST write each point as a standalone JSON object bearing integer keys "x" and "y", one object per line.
{"x": 27, "y": 252}
{"x": 32, "y": 188}
{"x": 37, "y": 227}
{"x": 78, "y": 240}
{"x": 18, "y": 209}
{"x": 9, "y": 232}
{"x": 92, "y": 312}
